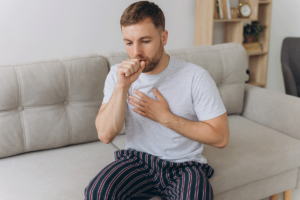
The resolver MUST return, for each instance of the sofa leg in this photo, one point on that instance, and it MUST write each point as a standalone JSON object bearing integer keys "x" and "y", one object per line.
{"x": 287, "y": 195}
{"x": 274, "y": 197}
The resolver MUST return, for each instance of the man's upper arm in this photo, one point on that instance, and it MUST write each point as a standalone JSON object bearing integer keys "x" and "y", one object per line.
{"x": 208, "y": 104}
{"x": 207, "y": 101}
{"x": 221, "y": 125}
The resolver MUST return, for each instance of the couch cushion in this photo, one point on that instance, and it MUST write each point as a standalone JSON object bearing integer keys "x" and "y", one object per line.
{"x": 254, "y": 152}
{"x": 226, "y": 63}
{"x": 50, "y": 103}
{"x": 60, "y": 174}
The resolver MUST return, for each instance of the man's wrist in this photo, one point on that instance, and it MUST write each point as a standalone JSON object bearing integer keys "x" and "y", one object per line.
{"x": 122, "y": 86}
{"x": 167, "y": 119}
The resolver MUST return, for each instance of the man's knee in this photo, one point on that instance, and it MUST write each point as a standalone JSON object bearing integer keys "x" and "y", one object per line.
{"x": 99, "y": 188}
{"x": 105, "y": 184}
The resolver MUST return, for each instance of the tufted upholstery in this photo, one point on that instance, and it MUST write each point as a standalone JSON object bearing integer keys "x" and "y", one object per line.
{"x": 50, "y": 103}
{"x": 231, "y": 60}
{"x": 54, "y": 103}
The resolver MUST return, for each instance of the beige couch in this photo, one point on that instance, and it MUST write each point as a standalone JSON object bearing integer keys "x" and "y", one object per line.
{"x": 49, "y": 147}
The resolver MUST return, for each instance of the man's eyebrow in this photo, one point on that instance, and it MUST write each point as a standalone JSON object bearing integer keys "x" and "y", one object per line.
{"x": 145, "y": 37}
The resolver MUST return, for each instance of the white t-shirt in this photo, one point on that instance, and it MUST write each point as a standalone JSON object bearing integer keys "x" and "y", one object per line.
{"x": 191, "y": 93}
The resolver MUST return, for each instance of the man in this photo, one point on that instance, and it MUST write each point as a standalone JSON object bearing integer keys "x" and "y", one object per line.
{"x": 165, "y": 128}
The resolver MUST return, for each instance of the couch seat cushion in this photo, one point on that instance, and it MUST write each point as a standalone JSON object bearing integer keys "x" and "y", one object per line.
{"x": 254, "y": 152}
{"x": 60, "y": 174}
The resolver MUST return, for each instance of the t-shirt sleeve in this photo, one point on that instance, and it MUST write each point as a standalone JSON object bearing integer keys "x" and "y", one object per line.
{"x": 206, "y": 97}
{"x": 109, "y": 85}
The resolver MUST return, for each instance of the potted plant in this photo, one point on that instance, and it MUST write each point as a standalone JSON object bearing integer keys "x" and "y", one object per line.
{"x": 253, "y": 31}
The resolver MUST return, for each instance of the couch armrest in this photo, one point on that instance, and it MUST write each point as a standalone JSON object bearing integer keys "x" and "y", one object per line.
{"x": 275, "y": 110}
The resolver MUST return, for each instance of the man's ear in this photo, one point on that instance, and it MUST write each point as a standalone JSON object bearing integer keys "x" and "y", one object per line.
{"x": 164, "y": 37}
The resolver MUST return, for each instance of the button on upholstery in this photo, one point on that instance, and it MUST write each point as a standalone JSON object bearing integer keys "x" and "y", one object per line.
{"x": 66, "y": 102}
{"x": 20, "y": 108}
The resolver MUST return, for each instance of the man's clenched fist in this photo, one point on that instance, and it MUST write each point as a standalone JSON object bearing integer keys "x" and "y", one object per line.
{"x": 129, "y": 71}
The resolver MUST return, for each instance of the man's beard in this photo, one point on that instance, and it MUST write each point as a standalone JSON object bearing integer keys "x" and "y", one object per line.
{"x": 153, "y": 62}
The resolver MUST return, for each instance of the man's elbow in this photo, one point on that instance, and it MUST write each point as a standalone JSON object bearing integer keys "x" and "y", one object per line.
{"x": 224, "y": 142}
{"x": 106, "y": 137}
{"x": 222, "y": 146}
{"x": 104, "y": 140}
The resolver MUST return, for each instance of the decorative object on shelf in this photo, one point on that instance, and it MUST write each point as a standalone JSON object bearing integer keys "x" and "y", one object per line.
{"x": 254, "y": 47}
{"x": 247, "y": 77}
{"x": 233, "y": 11}
{"x": 207, "y": 17}
{"x": 252, "y": 31}
{"x": 222, "y": 9}
{"x": 244, "y": 10}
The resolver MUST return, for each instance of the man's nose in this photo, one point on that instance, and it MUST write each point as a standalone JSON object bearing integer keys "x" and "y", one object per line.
{"x": 137, "y": 52}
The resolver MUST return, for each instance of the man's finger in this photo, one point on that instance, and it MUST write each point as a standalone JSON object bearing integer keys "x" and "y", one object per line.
{"x": 158, "y": 95}
{"x": 142, "y": 66}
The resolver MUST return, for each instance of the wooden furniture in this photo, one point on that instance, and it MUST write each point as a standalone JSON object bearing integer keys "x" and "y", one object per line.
{"x": 287, "y": 195}
{"x": 233, "y": 32}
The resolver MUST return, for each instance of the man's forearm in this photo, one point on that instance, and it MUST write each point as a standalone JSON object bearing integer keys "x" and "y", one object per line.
{"x": 110, "y": 120}
{"x": 198, "y": 131}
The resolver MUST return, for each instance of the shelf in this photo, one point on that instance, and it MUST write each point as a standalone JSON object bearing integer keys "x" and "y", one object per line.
{"x": 264, "y": 2}
{"x": 257, "y": 53}
{"x": 234, "y": 20}
{"x": 256, "y": 83}
{"x": 233, "y": 32}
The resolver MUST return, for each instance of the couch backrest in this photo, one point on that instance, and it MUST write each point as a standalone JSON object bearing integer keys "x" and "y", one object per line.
{"x": 53, "y": 103}
{"x": 50, "y": 103}
{"x": 226, "y": 63}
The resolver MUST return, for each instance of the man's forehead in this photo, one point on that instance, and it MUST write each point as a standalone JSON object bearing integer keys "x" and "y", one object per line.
{"x": 141, "y": 38}
{"x": 144, "y": 28}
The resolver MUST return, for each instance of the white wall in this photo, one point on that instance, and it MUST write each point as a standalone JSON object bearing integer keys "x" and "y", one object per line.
{"x": 284, "y": 23}
{"x": 33, "y": 29}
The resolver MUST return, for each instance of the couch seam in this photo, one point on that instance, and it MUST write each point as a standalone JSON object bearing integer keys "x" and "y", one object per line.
{"x": 59, "y": 60}
{"x": 114, "y": 56}
{"x": 256, "y": 181}
{"x": 222, "y": 57}
{"x": 115, "y": 145}
{"x": 49, "y": 105}
{"x": 204, "y": 51}
{"x": 180, "y": 53}
{"x": 223, "y": 68}
{"x": 67, "y": 95}
{"x": 282, "y": 100}
{"x": 298, "y": 179}
{"x": 20, "y": 100}
{"x": 96, "y": 56}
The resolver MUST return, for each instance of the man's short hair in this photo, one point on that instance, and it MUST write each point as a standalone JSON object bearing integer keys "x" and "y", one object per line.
{"x": 140, "y": 10}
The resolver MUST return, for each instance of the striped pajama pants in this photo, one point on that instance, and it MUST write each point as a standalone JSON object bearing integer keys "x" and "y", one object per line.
{"x": 136, "y": 175}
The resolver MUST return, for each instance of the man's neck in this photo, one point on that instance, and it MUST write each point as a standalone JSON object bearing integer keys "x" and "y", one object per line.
{"x": 161, "y": 66}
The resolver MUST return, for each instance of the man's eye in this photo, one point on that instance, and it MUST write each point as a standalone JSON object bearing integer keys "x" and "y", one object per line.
{"x": 143, "y": 41}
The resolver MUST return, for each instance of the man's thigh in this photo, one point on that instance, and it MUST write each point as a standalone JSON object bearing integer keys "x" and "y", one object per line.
{"x": 124, "y": 179}
{"x": 190, "y": 182}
